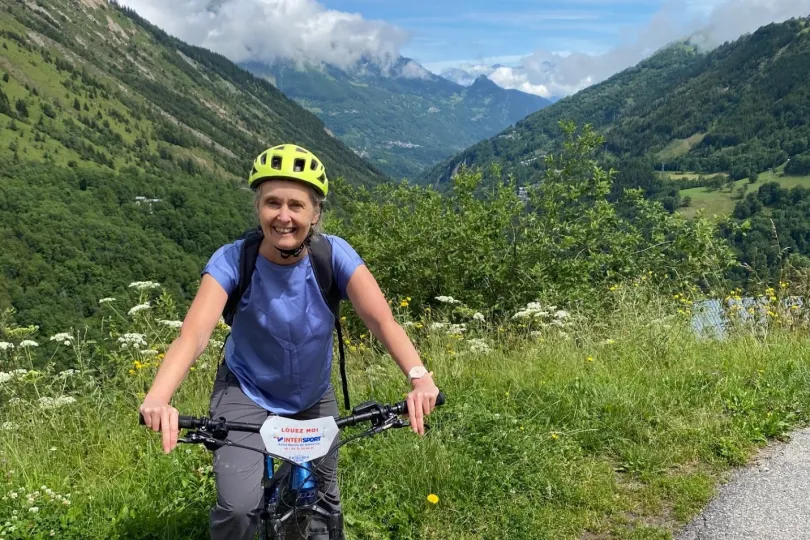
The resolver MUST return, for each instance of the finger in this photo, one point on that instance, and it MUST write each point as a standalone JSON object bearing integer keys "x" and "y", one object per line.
{"x": 426, "y": 405}
{"x": 147, "y": 418}
{"x": 167, "y": 431}
{"x": 174, "y": 429}
{"x": 155, "y": 415}
{"x": 419, "y": 418}
{"x": 412, "y": 413}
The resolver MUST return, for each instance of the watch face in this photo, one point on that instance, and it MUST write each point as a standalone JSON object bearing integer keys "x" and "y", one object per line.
{"x": 417, "y": 372}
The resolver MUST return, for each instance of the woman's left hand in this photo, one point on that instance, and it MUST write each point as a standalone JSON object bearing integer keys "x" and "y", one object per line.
{"x": 421, "y": 401}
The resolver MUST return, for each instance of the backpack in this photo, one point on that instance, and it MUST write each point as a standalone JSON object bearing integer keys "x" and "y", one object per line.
{"x": 320, "y": 256}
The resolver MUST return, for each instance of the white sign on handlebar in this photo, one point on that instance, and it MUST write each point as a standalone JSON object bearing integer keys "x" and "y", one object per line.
{"x": 298, "y": 440}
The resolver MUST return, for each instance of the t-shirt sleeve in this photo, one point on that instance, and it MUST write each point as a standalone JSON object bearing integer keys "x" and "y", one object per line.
{"x": 345, "y": 261}
{"x": 223, "y": 266}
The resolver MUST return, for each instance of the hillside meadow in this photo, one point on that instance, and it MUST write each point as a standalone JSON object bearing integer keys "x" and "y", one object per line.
{"x": 557, "y": 425}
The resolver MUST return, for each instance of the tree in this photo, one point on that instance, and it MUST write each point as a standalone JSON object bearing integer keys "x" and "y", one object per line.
{"x": 22, "y": 108}
{"x": 76, "y": 104}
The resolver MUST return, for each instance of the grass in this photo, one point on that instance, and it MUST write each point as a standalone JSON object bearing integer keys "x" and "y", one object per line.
{"x": 622, "y": 431}
{"x": 722, "y": 202}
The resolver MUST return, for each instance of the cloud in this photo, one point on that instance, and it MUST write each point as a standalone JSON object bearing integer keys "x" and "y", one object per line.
{"x": 268, "y": 30}
{"x": 708, "y": 22}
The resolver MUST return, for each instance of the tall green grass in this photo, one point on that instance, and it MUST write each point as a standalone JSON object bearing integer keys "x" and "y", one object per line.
{"x": 555, "y": 427}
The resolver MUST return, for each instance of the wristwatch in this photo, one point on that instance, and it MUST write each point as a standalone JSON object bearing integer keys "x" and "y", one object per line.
{"x": 417, "y": 372}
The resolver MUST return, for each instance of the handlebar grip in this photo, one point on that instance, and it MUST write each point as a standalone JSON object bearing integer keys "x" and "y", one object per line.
{"x": 183, "y": 422}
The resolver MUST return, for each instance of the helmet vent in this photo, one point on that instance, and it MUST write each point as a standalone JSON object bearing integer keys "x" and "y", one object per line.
{"x": 275, "y": 163}
{"x": 313, "y": 165}
{"x": 254, "y": 171}
{"x": 299, "y": 165}
{"x": 264, "y": 158}
{"x": 299, "y": 149}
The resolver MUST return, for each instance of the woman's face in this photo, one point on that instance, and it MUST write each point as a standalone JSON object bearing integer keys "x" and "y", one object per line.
{"x": 286, "y": 212}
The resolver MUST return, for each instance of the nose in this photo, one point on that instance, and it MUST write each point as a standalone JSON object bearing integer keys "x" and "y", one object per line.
{"x": 284, "y": 214}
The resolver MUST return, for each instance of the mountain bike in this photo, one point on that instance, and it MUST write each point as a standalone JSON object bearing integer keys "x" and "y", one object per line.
{"x": 290, "y": 490}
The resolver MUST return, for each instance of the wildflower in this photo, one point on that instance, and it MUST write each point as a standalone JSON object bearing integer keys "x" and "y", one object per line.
{"x": 28, "y": 343}
{"x": 143, "y": 285}
{"x": 55, "y": 403}
{"x": 5, "y": 377}
{"x": 456, "y": 329}
{"x": 555, "y": 435}
{"x": 149, "y": 352}
{"x": 6, "y": 346}
{"x": 478, "y": 317}
{"x": 589, "y": 359}
{"x": 479, "y": 346}
{"x": 171, "y": 324}
{"x": 106, "y": 300}
{"x": 13, "y": 495}
{"x": 139, "y": 307}
{"x": 404, "y": 303}
{"x": 134, "y": 341}
{"x": 609, "y": 341}
{"x": 63, "y": 338}
{"x": 447, "y": 300}
{"x": 34, "y": 509}
{"x": 67, "y": 373}
{"x": 433, "y": 499}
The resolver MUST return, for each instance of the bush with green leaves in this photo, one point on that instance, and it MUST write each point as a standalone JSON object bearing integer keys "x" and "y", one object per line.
{"x": 564, "y": 239}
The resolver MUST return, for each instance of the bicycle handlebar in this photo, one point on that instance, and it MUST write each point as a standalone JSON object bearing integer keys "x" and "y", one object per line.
{"x": 364, "y": 412}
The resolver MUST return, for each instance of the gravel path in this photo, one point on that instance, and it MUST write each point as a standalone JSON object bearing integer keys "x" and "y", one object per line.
{"x": 768, "y": 500}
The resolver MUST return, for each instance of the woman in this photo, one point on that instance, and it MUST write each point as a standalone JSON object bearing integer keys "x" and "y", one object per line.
{"x": 278, "y": 357}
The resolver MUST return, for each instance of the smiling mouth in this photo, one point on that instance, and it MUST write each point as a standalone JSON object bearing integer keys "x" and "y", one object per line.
{"x": 284, "y": 230}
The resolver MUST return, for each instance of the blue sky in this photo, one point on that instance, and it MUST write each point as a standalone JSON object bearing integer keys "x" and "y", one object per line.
{"x": 449, "y": 31}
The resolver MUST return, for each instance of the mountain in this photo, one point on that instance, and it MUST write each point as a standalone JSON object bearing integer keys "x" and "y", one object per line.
{"x": 743, "y": 107}
{"x": 403, "y": 118}
{"x": 102, "y": 86}
{"x": 125, "y": 154}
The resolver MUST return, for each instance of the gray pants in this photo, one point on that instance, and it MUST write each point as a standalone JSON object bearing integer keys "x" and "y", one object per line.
{"x": 239, "y": 471}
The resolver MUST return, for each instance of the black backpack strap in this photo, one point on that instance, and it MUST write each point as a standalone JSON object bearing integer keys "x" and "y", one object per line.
{"x": 247, "y": 263}
{"x": 320, "y": 253}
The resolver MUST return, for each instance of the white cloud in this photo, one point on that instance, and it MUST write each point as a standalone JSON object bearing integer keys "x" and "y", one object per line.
{"x": 708, "y": 22}
{"x": 267, "y": 30}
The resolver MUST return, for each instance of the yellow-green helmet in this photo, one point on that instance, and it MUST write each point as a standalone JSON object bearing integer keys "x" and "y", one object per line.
{"x": 289, "y": 162}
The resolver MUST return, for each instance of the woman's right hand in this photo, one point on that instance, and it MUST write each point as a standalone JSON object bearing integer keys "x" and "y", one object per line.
{"x": 161, "y": 417}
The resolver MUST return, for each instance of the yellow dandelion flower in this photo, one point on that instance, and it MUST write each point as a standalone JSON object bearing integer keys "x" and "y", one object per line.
{"x": 433, "y": 499}
{"x": 132, "y": 372}
{"x": 353, "y": 348}
{"x": 408, "y": 298}
{"x": 555, "y": 435}
{"x": 589, "y": 359}
{"x": 404, "y": 303}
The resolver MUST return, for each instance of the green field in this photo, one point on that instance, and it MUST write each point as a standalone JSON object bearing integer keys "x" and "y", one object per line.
{"x": 720, "y": 202}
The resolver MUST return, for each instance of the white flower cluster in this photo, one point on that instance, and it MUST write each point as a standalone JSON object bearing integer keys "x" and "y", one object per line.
{"x": 63, "y": 338}
{"x": 447, "y": 300}
{"x": 28, "y": 343}
{"x": 9, "y": 426}
{"x": 451, "y": 328}
{"x": 55, "y": 403}
{"x": 478, "y": 317}
{"x": 149, "y": 352}
{"x": 139, "y": 307}
{"x": 5, "y": 377}
{"x": 132, "y": 341}
{"x": 6, "y": 346}
{"x": 67, "y": 373}
{"x": 535, "y": 310}
{"x": 143, "y": 285}
{"x": 171, "y": 324}
{"x": 478, "y": 345}
{"x": 106, "y": 300}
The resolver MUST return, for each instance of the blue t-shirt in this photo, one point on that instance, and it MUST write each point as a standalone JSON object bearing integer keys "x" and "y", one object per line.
{"x": 280, "y": 348}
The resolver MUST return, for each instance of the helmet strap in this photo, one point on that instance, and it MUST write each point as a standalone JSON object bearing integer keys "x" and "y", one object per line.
{"x": 287, "y": 253}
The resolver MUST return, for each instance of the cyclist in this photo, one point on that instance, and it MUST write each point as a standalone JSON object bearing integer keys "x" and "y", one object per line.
{"x": 278, "y": 357}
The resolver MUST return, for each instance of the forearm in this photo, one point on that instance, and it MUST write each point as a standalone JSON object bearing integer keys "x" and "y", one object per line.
{"x": 398, "y": 344}
{"x": 182, "y": 353}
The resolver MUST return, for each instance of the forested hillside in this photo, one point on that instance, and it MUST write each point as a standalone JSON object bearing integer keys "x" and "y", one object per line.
{"x": 125, "y": 154}
{"x": 404, "y": 119}
{"x": 742, "y": 108}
